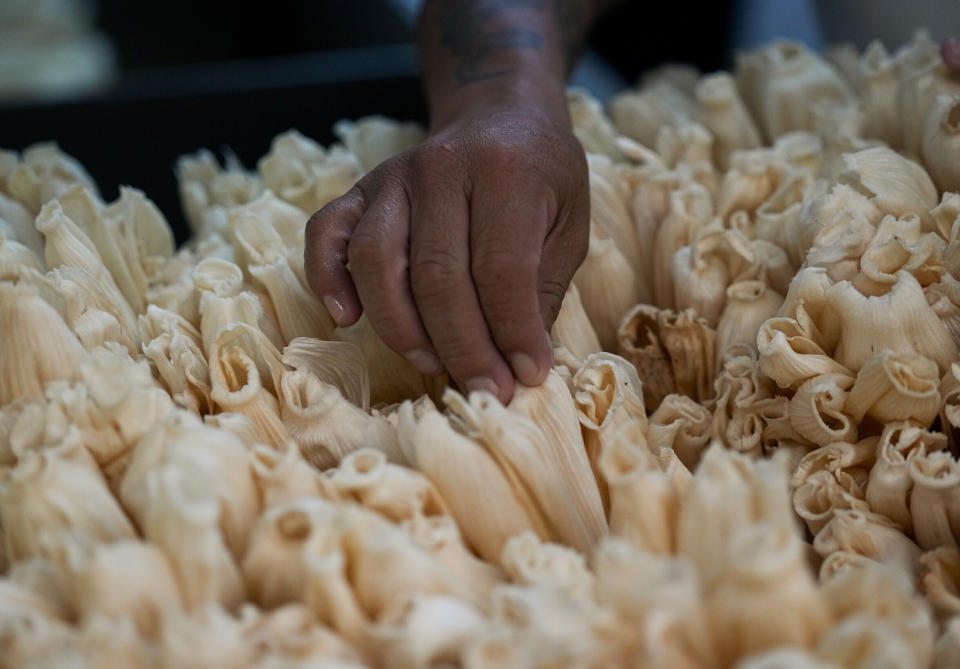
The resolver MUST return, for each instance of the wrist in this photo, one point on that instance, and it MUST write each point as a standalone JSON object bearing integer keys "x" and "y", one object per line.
{"x": 541, "y": 96}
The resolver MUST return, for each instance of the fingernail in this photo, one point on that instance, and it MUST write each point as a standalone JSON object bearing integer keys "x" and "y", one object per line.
{"x": 525, "y": 369}
{"x": 479, "y": 383}
{"x": 425, "y": 362}
{"x": 334, "y": 308}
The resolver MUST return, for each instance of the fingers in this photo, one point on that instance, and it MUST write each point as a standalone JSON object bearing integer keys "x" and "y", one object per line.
{"x": 508, "y": 225}
{"x": 326, "y": 240}
{"x": 443, "y": 288}
{"x": 379, "y": 264}
{"x": 564, "y": 250}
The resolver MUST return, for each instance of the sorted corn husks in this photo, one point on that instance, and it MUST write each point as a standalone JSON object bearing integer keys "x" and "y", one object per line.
{"x": 746, "y": 454}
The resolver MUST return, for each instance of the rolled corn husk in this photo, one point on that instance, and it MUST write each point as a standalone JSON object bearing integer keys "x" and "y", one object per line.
{"x": 895, "y": 387}
{"x": 940, "y": 580}
{"x": 466, "y": 475}
{"x": 29, "y": 362}
{"x": 607, "y": 393}
{"x": 551, "y": 461}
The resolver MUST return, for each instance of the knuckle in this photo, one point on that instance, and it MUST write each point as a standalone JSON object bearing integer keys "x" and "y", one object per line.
{"x": 432, "y": 272}
{"x": 501, "y": 274}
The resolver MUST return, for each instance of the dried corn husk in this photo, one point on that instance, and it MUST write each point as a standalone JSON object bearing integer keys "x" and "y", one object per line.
{"x": 890, "y": 483}
{"x": 900, "y": 320}
{"x": 895, "y": 387}
{"x": 125, "y": 580}
{"x": 274, "y": 570}
{"x": 935, "y": 499}
{"x": 726, "y": 117}
{"x": 465, "y": 474}
{"x": 748, "y": 305}
{"x": 607, "y": 393}
{"x": 337, "y": 363}
{"x": 659, "y": 596}
{"x": 551, "y": 462}
{"x": 29, "y": 362}
{"x": 45, "y": 494}
{"x": 766, "y": 570}
{"x": 672, "y": 352}
{"x": 394, "y": 492}
{"x": 573, "y": 329}
{"x": 43, "y": 173}
{"x": 182, "y": 452}
{"x": 681, "y": 425}
{"x": 644, "y": 501}
{"x": 940, "y": 581}
{"x": 608, "y": 286}
{"x": 871, "y": 535}
{"x": 326, "y": 426}
{"x": 392, "y": 378}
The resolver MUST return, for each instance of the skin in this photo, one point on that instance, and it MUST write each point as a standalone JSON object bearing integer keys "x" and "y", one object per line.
{"x": 950, "y": 50}
{"x": 461, "y": 249}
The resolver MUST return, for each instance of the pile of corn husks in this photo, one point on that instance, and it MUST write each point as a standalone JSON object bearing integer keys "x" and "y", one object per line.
{"x": 746, "y": 454}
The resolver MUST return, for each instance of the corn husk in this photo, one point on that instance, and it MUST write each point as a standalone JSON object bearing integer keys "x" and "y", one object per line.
{"x": 550, "y": 461}
{"x": 672, "y": 352}
{"x": 28, "y": 362}
{"x": 748, "y": 305}
{"x": 123, "y": 580}
{"x": 179, "y": 516}
{"x": 392, "y": 378}
{"x": 394, "y": 492}
{"x": 895, "y": 387}
{"x": 644, "y": 500}
{"x": 16, "y": 224}
{"x": 47, "y": 495}
{"x": 337, "y": 363}
{"x": 689, "y": 210}
{"x": 940, "y": 580}
{"x": 871, "y": 535}
{"x": 817, "y": 410}
{"x": 784, "y": 82}
{"x": 43, "y": 173}
{"x": 607, "y": 393}
{"x": 273, "y": 567}
{"x": 725, "y": 116}
{"x": 182, "y": 452}
{"x": 890, "y": 483}
{"x": 767, "y": 570}
{"x": 935, "y": 499}
{"x": 283, "y": 475}
{"x": 175, "y": 349}
{"x": 373, "y": 139}
{"x": 468, "y": 477}
{"x": 681, "y": 425}
{"x": 326, "y": 426}
{"x": 573, "y": 329}
{"x": 306, "y": 175}
{"x": 608, "y": 286}
{"x": 901, "y": 320}
{"x": 871, "y": 603}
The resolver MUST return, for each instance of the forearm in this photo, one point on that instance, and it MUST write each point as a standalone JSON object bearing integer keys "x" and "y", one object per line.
{"x": 489, "y": 53}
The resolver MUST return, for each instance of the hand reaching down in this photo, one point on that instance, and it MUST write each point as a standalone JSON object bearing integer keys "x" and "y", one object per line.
{"x": 460, "y": 250}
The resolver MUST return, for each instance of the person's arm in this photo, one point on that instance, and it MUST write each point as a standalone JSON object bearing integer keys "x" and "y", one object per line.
{"x": 461, "y": 249}
{"x": 950, "y": 50}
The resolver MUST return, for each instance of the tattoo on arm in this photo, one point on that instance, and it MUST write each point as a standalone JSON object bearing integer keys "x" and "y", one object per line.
{"x": 473, "y": 32}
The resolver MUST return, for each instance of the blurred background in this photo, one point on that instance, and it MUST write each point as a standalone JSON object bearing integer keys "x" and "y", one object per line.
{"x": 126, "y": 87}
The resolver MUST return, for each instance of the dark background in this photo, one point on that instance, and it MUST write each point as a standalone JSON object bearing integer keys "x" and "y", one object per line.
{"x": 230, "y": 76}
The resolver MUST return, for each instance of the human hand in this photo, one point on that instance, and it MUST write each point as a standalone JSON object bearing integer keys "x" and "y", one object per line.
{"x": 950, "y": 50}
{"x": 461, "y": 249}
